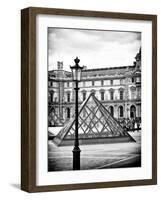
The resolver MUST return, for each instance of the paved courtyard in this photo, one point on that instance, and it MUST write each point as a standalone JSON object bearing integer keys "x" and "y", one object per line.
{"x": 97, "y": 156}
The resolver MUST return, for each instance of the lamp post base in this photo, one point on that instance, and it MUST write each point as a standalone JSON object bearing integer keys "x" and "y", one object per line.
{"x": 76, "y": 158}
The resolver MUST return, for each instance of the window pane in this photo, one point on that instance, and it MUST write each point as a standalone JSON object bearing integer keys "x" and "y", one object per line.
{"x": 121, "y": 95}
{"x": 68, "y": 97}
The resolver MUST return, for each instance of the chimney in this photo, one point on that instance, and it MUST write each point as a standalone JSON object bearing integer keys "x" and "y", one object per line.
{"x": 60, "y": 65}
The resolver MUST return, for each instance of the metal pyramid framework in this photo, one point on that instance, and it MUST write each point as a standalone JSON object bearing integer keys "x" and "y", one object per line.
{"x": 96, "y": 125}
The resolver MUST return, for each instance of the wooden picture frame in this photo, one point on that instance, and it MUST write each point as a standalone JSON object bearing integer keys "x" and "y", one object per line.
{"x": 28, "y": 98}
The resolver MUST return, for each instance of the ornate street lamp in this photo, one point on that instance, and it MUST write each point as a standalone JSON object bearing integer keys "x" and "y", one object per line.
{"x": 76, "y": 74}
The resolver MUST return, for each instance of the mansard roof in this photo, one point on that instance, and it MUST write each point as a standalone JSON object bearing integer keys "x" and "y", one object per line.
{"x": 98, "y": 72}
{"x": 101, "y": 72}
{"x": 111, "y": 71}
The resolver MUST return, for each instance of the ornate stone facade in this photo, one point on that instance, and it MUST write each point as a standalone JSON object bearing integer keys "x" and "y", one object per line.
{"x": 117, "y": 88}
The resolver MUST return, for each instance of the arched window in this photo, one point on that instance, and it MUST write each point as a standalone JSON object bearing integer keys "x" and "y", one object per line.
{"x": 68, "y": 113}
{"x": 132, "y": 111}
{"x": 111, "y": 110}
{"x": 121, "y": 111}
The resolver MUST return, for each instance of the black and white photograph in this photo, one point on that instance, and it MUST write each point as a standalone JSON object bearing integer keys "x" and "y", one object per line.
{"x": 94, "y": 99}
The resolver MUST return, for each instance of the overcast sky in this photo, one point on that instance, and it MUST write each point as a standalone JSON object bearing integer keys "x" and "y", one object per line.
{"x": 95, "y": 49}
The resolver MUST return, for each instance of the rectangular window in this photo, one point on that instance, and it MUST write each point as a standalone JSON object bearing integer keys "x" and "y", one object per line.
{"x": 52, "y": 96}
{"x": 121, "y": 95}
{"x": 133, "y": 94}
{"x": 132, "y": 79}
{"x": 68, "y": 84}
{"x": 102, "y": 96}
{"x": 84, "y": 96}
{"x": 111, "y": 82}
{"x": 121, "y": 81}
{"x": 138, "y": 93}
{"x": 138, "y": 80}
{"x": 92, "y": 83}
{"x": 68, "y": 97}
{"x": 111, "y": 95}
{"x": 102, "y": 82}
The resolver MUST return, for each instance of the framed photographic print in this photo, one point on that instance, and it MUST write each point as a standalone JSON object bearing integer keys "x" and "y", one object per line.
{"x": 88, "y": 99}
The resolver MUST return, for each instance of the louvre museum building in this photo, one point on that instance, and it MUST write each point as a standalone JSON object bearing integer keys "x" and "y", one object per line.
{"x": 118, "y": 89}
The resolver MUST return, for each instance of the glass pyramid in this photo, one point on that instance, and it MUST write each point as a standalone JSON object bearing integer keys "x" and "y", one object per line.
{"x": 95, "y": 123}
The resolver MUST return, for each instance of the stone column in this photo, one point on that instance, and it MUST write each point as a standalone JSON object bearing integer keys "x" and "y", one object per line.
{"x": 126, "y": 96}
{"x": 138, "y": 110}
{"x": 115, "y": 111}
{"x": 125, "y": 110}
{"x": 128, "y": 111}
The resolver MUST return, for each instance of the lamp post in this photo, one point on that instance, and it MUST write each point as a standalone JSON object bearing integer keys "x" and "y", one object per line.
{"x": 76, "y": 74}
